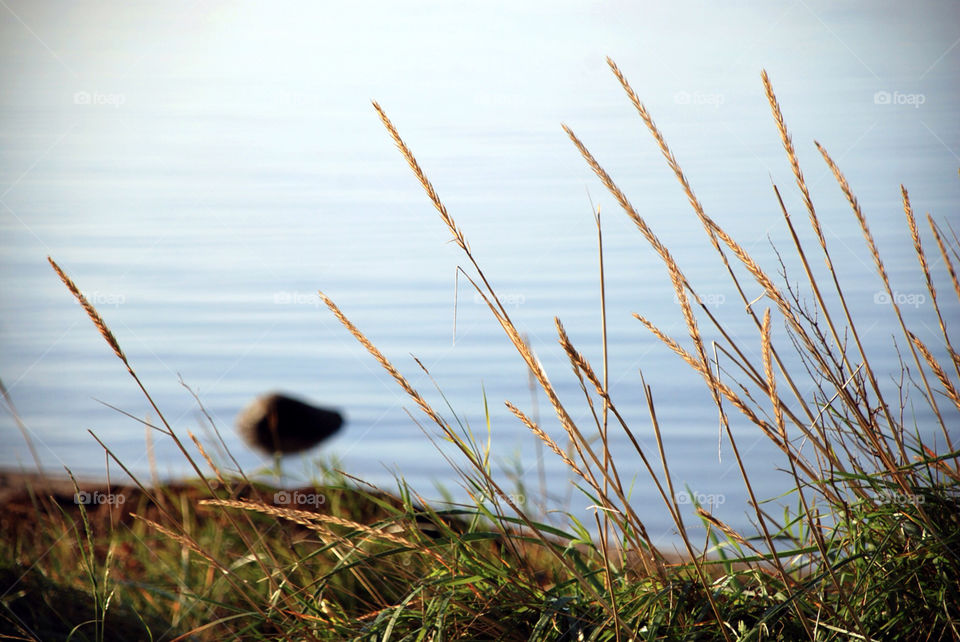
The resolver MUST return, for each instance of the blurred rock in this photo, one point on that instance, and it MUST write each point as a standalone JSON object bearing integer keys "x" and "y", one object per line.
{"x": 278, "y": 423}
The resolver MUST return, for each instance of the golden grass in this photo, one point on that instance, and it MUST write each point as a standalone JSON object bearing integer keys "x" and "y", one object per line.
{"x": 843, "y": 444}
{"x": 946, "y": 257}
{"x": 91, "y": 312}
{"x": 318, "y": 521}
{"x": 545, "y": 438}
{"x": 382, "y": 360}
{"x": 884, "y": 277}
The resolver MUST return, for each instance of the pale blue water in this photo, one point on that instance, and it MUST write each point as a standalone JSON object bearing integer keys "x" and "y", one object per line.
{"x": 201, "y": 173}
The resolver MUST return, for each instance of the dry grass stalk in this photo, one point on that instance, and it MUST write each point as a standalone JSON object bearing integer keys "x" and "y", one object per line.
{"x": 664, "y": 148}
{"x": 792, "y": 457}
{"x": 208, "y": 459}
{"x": 316, "y": 522}
{"x": 541, "y": 376}
{"x": 492, "y": 301}
{"x": 814, "y": 220}
{"x": 579, "y": 361}
{"x": 678, "y": 280}
{"x": 884, "y": 277}
{"x": 787, "y": 141}
{"x": 766, "y": 348}
{"x": 852, "y": 406}
{"x": 698, "y": 366}
{"x": 711, "y": 226}
{"x": 918, "y": 245}
{"x": 713, "y": 230}
{"x": 813, "y": 283}
{"x": 581, "y": 444}
{"x": 618, "y": 194}
{"x": 670, "y": 343}
{"x": 938, "y": 370}
{"x": 607, "y": 461}
{"x": 609, "y": 473}
{"x": 855, "y": 206}
{"x": 488, "y": 296}
{"x": 671, "y": 503}
{"x": 638, "y": 220}
{"x": 90, "y": 310}
{"x": 922, "y": 258}
{"x": 946, "y": 257}
{"x": 580, "y": 364}
{"x": 735, "y": 399}
{"x": 187, "y": 542}
{"x": 545, "y": 438}
{"x": 458, "y": 235}
{"x": 668, "y": 259}
{"x": 644, "y": 228}
{"x": 651, "y": 238}
{"x": 383, "y": 361}
{"x": 515, "y": 337}
{"x": 310, "y": 519}
{"x": 731, "y": 533}
{"x": 603, "y": 492}
{"x": 422, "y": 177}
{"x": 111, "y": 340}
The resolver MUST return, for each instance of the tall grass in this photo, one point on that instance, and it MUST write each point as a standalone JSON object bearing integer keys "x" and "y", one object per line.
{"x": 870, "y": 552}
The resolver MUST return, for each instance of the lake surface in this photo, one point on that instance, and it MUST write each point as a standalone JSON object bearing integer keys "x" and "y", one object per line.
{"x": 201, "y": 174}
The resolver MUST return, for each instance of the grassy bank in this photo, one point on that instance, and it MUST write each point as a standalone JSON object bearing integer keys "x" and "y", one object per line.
{"x": 869, "y": 552}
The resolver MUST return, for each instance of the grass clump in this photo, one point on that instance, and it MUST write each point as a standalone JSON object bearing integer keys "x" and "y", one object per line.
{"x": 870, "y": 552}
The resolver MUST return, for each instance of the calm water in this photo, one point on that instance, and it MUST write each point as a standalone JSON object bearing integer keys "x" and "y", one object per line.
{"x": 201, "y": 174}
